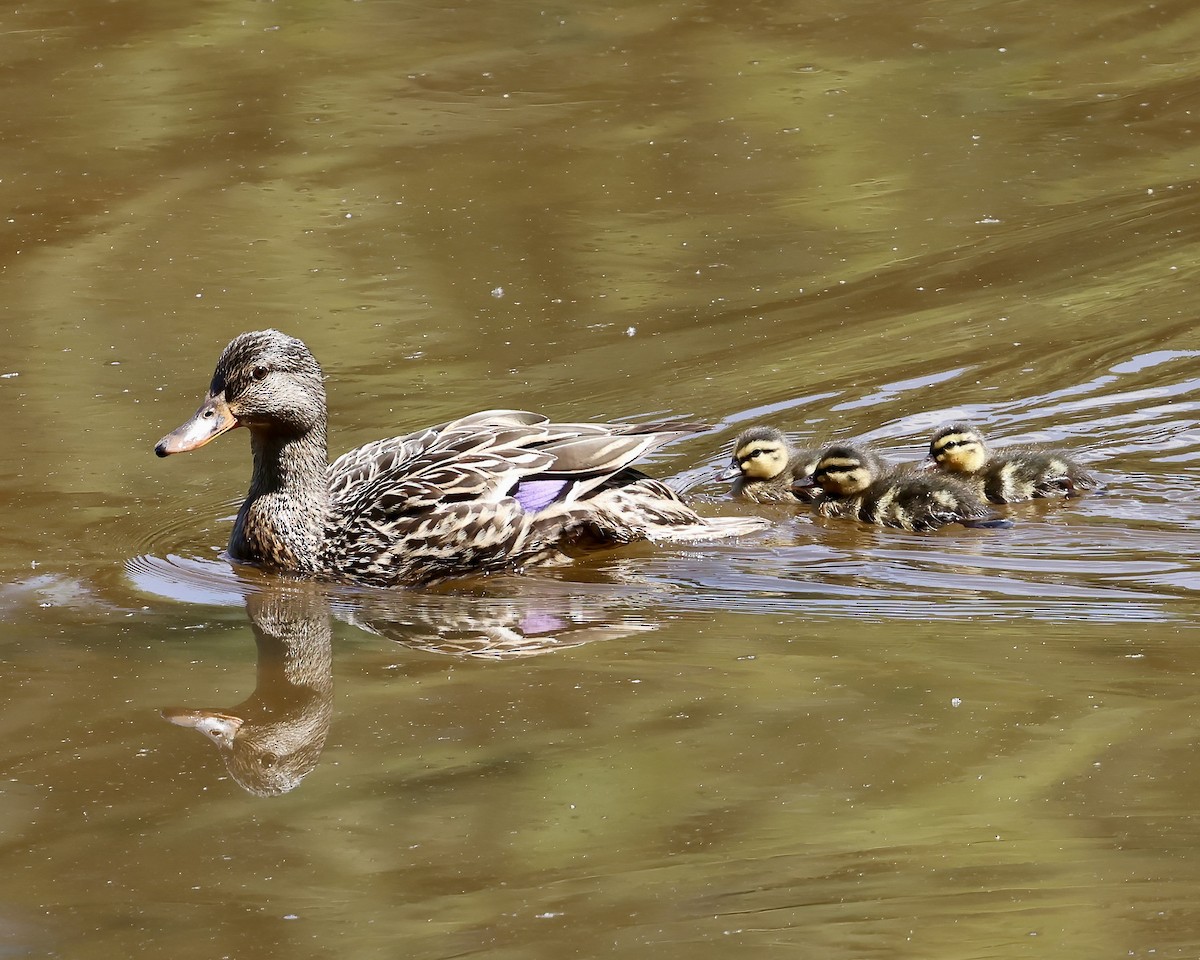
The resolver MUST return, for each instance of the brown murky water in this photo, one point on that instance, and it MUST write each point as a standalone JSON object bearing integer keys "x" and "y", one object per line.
{"x": 846, "y": 219}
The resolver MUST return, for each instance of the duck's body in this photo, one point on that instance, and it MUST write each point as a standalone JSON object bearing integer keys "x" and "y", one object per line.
{"x": 858, "y": 485}
{"x": 1007, "y": 475}
{"x": 765, "y": 467}
{"x": 501, "y": 489}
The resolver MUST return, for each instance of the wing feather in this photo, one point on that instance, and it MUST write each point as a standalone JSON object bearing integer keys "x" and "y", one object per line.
{"x": 498, "y": 487}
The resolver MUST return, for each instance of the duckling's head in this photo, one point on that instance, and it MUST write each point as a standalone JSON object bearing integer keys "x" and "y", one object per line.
{"x": 760, "y": 453}
{"x": 958, "y": 448}
{"x": 844, "y": 471}
{"x": 265, "y": 380}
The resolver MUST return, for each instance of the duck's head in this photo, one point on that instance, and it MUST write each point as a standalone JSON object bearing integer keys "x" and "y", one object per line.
{"x": 958, "y": 448}
{"x": 760, "y": 453}
{"x": 266, "y": 381}
{"x": 844, "y": 471}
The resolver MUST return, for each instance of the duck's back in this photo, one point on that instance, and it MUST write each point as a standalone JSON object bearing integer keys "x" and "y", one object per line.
{"x": 500, "y": 489}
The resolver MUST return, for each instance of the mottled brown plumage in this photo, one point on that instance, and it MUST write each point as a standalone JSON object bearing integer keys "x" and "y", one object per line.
{"x": 1009, "y": 474}
{"x": 859, "y": 485}
{"x": 496, "y": 490}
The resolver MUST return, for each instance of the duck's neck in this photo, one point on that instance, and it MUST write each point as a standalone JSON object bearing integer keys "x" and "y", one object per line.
{"x": 282, "y": 522}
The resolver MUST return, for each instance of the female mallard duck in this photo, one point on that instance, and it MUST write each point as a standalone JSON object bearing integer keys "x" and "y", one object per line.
{"x": 858, "y": 485}
{"x": 765, "y": 467}
{"x": 496, "y": 490}
{"x": 1008, "y": 475}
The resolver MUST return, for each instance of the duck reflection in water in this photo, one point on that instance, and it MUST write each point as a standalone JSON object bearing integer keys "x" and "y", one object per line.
{"x": 528, "y": 623}
{"x": 273, "y": 739}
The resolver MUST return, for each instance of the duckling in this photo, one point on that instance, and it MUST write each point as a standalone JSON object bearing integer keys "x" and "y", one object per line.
{"x": 858, "y": 485}
{"x": 1008, "y": 475}
{"x": 765, "y": 467}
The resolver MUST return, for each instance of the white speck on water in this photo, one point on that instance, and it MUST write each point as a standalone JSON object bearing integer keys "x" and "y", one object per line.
{"x": 631, "y": 331}
{"x": 956, "y": 701}
{"x": 497, "y": 292}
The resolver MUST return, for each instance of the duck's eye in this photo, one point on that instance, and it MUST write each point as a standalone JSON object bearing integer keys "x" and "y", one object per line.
{"x": 259, "y": 373}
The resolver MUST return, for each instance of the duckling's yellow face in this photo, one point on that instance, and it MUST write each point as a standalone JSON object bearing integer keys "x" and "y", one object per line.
{"x": 761, "y": 459}
{"x": 844, "y": 472}
{"x": 958, "y": 450}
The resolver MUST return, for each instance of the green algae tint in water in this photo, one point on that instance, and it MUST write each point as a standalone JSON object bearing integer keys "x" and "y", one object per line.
{"x": 850, "y": 221}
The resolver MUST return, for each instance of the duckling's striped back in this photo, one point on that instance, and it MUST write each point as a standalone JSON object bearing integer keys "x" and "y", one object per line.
{"x": 859, "y": 485}
{"x": 1010, "y": 474}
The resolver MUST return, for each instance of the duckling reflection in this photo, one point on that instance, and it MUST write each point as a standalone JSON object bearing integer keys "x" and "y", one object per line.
{"x": 766, "y": 466}
{"x": 1007, "y": 475}
{"x": 273, "y": 739}
{"x": 860, "y": 485}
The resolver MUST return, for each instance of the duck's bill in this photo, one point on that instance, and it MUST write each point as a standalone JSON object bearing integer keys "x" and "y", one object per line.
{"x": 221, "y": 727}
{"x": 729, "y": 473}
{"x": 209, "y": 422}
